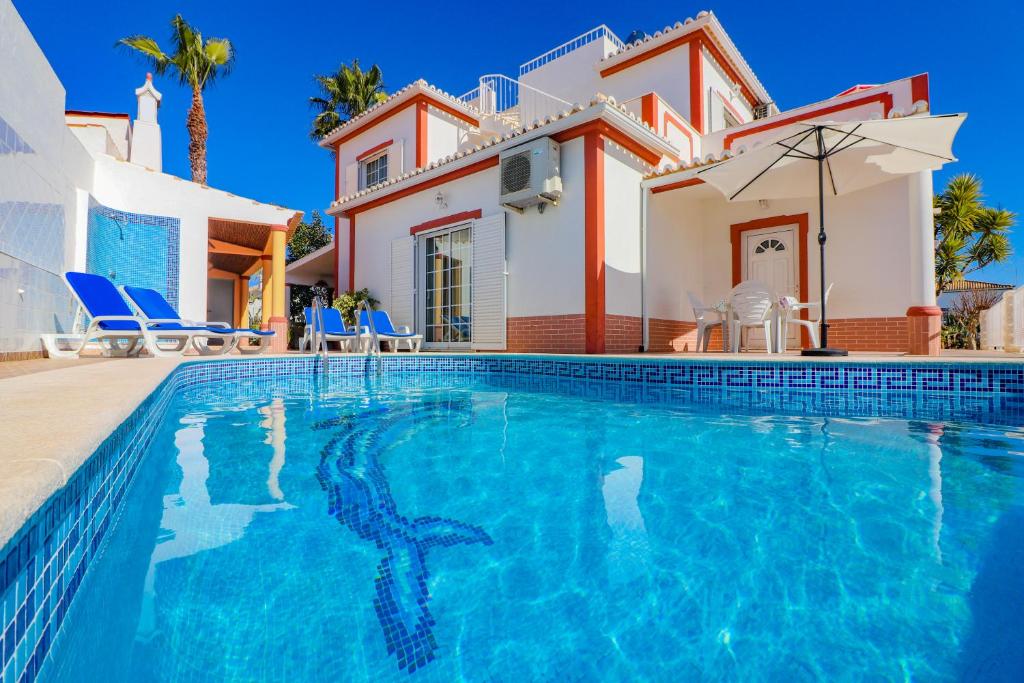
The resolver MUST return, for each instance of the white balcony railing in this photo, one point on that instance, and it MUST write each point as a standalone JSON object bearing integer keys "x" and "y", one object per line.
{"x": 576, "y": 43}
{"x": 512, "y": 103}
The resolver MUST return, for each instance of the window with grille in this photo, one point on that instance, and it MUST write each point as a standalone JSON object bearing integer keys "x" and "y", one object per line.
{"x": 374, "y": 170}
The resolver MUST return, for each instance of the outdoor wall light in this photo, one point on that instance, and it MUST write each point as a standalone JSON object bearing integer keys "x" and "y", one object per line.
{"x": 763, "y": 203}
{"x": 440, "y": 200}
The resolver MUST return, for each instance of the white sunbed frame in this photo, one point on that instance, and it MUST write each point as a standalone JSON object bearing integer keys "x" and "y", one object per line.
{"x": 201, "y": 338}
{"x": 119, "y": 343}
{"x": 415, "y": 341}
{"x": 345, "y": 340}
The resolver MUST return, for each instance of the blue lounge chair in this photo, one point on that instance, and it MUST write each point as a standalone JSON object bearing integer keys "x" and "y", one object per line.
{"x": 154, "y": 306}
{"x": 334, "y": 329}
{"x": 386, "y": 331}
{"x": 112, "y": 325}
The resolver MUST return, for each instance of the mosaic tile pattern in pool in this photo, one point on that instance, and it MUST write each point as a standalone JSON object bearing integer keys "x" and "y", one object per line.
{"x": 359, "y": 497}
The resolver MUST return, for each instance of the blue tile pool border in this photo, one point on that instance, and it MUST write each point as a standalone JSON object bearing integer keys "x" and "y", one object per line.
{"x": 42, "y": 567}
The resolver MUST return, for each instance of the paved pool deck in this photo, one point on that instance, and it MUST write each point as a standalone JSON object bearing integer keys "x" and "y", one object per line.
{"x": 56, "y": 412}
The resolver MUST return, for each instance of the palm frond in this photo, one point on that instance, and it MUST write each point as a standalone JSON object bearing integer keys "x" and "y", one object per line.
{"x": 149, "y": 49}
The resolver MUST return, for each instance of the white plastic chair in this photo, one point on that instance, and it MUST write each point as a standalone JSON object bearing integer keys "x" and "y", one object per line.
{"x": 793, "y": 308}
{"x": 704, "y": 325}
{"x": 751, "y": 303}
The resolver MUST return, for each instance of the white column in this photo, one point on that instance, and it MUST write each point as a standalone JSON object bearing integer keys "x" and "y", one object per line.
{"x": 922, "y": 240}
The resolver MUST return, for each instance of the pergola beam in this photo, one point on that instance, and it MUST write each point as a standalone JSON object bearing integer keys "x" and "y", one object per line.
{"x": 221, "y": 247}
{"x": 221, "y": 274}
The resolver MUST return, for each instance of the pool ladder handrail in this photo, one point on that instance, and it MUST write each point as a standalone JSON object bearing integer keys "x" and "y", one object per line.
{"x": 318, "y": 340}
{"x": 373, "y": 347}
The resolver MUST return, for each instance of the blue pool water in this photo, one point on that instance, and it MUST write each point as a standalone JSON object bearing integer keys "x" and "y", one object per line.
{"x": 440, "y": 528}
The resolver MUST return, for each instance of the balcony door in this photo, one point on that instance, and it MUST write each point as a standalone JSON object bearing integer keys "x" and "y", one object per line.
{"x": 446, "y": 289}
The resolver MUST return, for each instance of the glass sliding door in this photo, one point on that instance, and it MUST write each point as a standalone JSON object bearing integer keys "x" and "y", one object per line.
{"x": 447, "y": 294}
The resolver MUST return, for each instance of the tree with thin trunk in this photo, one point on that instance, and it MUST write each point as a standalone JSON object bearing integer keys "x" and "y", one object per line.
{"x": 196, "y": 63}
{"x": 343, "y": 94}
{"x": 968, "y": 234}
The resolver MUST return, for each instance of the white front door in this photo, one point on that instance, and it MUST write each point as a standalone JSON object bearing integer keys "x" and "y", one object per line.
{"x": 770, "y": 256}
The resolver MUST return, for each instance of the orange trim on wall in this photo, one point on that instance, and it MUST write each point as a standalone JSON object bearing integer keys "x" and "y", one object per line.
{"x": 593, "y": 257}
{"x": 689, "y": 38}
{"x": 919, "y": 88}
{"x": 421, "y": 134}
{"x": 351, "y": 253}
{"x": 451, "y": 111}
{"x": 481, "y": 165}
{"x": 884, "y": 97}
{"x": 734, "y": 75}
{"x": 95, "y": 114}
{"x": 652, "y": 53}
{"x": 412, "y": 101}
{"x": 697, "y": 86}
{"x": 689, "y": 182}
{"x": 337, "y": 220}
{"x": 801, "y": 221}
{"x": 649, "y": 110}
{"x": 611, "y": 133}
{"x": 373, "y": 150}
{"x": 600, "y": 127}
{"x": 670, "y": 118}
{"x": 728, "y": 105}
{"x": 460, "y": 217}
{"x": 337, "y": 253}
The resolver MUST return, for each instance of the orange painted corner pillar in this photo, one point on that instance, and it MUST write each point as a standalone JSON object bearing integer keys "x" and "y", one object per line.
{"x": 243, "y": 302}
{"x": 266, "y": 307}
{"x": 279, "y": 314}
{"x": 697, "y": 85}
{"x": 593, "y": 266}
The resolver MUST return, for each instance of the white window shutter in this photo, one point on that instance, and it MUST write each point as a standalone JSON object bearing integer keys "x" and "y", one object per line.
{"x": 395, "y": 166}
{"x": 488, "y": 292}
{"x": 352, "y": 178}
{"x": 403, "y": 287}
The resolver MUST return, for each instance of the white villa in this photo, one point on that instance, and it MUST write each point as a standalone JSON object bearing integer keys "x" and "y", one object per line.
{"x": 560, "y": 210}
{"x": 86, "y": 191}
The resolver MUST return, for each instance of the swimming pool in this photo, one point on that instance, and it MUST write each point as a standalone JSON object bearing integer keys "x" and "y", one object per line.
{"x": 525, "y": 526}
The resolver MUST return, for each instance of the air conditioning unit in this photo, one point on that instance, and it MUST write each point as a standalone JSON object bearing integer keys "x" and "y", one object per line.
{"x": 530, "y": 175}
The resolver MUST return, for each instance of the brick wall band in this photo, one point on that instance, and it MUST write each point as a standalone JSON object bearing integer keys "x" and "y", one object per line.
{"x": 623, "y": 333}
{"x": 567, "y": 334}
{"x": 869, "y": 334}
{"x": 853, "y": 334}
{"x": 546, "y": 334}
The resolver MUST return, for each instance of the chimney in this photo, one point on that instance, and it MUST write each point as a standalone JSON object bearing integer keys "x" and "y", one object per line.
{"x": 146, "y": 149}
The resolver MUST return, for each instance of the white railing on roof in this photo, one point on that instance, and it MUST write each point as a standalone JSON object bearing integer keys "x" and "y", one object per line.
{"x": 565, "y": 48}
{"x": 512, "y": 102}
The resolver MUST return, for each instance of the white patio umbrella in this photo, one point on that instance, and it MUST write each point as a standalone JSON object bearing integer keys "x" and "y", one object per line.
{"x": 838, "y": 158}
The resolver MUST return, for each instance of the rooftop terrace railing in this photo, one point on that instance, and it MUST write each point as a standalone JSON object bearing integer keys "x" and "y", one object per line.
{"x": 576, "y": 43}
{"x": 512, "y": 102}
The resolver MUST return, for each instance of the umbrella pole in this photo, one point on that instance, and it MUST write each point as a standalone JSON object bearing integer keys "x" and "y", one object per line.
{"x": 824, "y": 350}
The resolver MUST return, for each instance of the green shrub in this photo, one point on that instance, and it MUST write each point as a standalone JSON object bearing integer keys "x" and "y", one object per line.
{"x": 347, "y": 303}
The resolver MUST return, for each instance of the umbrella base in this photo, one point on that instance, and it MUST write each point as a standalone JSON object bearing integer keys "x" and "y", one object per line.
{"x": 827, "y": 351}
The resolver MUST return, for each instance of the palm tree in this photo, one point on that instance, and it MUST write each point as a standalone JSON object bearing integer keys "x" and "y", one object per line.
{"x": 346, "y": 93}
{"x": 196, "y": 63}
{"x": 968, "y": 234}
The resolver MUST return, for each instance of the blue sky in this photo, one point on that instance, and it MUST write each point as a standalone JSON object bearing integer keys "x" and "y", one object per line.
{"x": 259, "y": 117}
